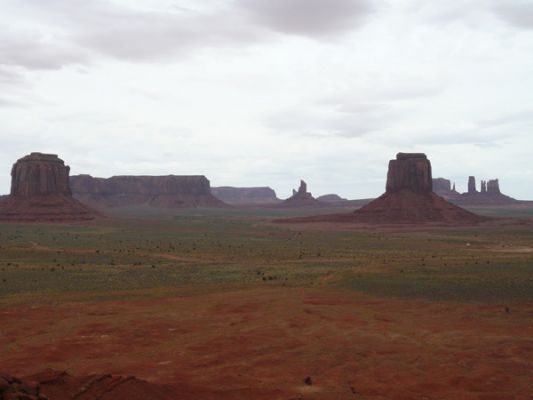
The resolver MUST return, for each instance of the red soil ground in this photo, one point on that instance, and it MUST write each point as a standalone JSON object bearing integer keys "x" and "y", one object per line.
{"x": 263, "y": 343}
{"x": 403, "y": 207}
{"x": 47, "y": 208}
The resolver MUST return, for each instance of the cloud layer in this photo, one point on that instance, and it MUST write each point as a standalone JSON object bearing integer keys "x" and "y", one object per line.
{"x": 265, "y": 92}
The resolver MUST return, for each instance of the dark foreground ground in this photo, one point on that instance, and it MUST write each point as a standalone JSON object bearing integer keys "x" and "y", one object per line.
{"x": 235, "y": 307}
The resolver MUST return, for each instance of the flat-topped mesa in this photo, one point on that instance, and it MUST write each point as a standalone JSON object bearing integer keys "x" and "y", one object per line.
{"x": 409, "y": 199}
{"x": 40, "y": 174}
{"x": 168, "y": 191}
{"x": 444, "y": 188}
{"x": 245, "y": 195}
{"x": 138, "y": 184}
{"x": 411, "y": 171}
{"x": 40, "y": 192}
{"x": 442, "y": 185}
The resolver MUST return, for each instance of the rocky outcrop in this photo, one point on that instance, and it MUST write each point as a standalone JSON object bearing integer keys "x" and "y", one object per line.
{"x": 169, "y": 191}
{"x": 489, "y": 195}
{"x": 410, "y": 171}
{"x": 409, "y": 199}
{"x": 443, "y": 187}
{"x": 40, "y": 174}
{"x": 301, "y": 198}
{"x": 246, "y": 195}
{"x": 59, "y": 385}
{"x": 472, "y": 185}
{"x": 40, "y": 191}
{"x": 493, "y": 187}
{"x": 13, "y": 388}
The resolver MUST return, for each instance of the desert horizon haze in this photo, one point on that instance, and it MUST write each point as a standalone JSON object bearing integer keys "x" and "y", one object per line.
{"x": 267, "y": 92}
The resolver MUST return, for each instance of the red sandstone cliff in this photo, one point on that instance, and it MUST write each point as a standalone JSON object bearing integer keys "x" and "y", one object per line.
{"x": 169, "y": 191}
{"x": 409, "y": 199}
{"x": 40, "y": 191}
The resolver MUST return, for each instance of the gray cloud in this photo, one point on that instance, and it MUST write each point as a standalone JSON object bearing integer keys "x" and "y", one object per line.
{"x": 33, "y": 50}
{"x": 518, "y": 13}
{"x": 311, "y": 18}
{"x": 75, "y": 28}
{"x": 69, "y": 31}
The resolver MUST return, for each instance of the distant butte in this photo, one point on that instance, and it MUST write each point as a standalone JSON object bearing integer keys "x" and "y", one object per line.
{"x": 301, "y": 198}
{"x": 246, "y": 195}
{"x": 488, "y": 195}
{"x": 408, "y": 199}
{"x": 40, "y": 191}
{"x": 169, "y": 191}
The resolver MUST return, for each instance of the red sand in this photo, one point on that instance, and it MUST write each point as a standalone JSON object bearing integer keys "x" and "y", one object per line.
{"x": 263, "y": 343}
{"x": 403, "y": 207}
{"x": 45, "y": 208}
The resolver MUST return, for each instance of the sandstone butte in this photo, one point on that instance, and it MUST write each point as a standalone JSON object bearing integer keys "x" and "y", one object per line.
{"x": 301, "y": 198}
{"x": 408, "y": 199}
{"x": 40, "y": 192}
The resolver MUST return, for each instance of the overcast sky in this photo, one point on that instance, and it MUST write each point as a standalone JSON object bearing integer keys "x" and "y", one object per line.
{"x": 265, "y": 92}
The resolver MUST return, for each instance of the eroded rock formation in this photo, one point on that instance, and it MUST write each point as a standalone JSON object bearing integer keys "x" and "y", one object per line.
{"x": 411, "y": 198}
{"x": 157, "y": 191}
{"x": 40, "y": 174}
{"x": 408, "y": 199}
{"x": 301, "y": 198}
{"x": 244, "y": 196}
{"x": 489, "y": 195}
{"x": 443, "y": 187}
{"x": 472, "y": 185}
{"x": 411, "y": 171}
{"x": 493, "y": 187}
{"x": 40, "y": 191}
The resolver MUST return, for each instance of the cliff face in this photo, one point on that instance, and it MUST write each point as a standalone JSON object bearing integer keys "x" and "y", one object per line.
{"x": 39, "y": 174}
{"x": 411, "y": 171}
{"x": 157, "y": 191}
{"x": 489, "y": 195}
{"x": 472, "y": 185}
{"x": 243, "y": 196}
{"x": 40, "y": 191}
{"x": 493, "y": 187}
{"x": 409, "y": 197}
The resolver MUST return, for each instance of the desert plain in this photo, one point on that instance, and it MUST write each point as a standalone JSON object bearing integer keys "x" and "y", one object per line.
{"x": 228, "y": 304}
